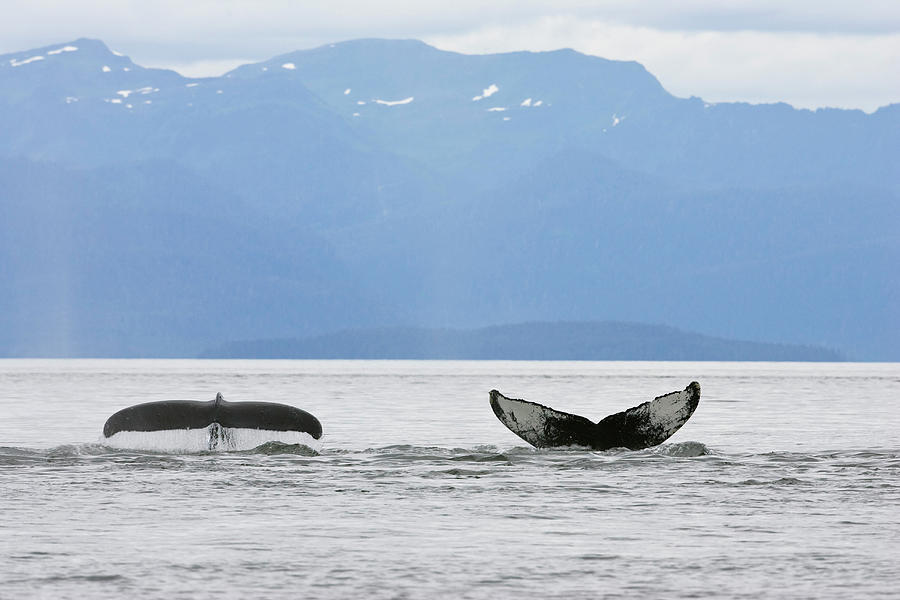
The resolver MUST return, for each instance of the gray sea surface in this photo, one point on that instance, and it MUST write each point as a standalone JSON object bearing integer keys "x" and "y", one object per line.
{"x": 784, "y": 484}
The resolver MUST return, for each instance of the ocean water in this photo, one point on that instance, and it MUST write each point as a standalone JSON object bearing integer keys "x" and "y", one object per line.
{"x": 784, "y": 484}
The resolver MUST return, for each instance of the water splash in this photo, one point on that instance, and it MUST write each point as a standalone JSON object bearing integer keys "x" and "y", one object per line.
{"x": 214, "y": 438}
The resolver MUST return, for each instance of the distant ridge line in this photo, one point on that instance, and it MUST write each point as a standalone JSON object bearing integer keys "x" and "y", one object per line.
{"x": 570, "y": 340}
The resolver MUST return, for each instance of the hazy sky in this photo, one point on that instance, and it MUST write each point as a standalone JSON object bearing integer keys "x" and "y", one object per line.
{"x": 810, "y": 53}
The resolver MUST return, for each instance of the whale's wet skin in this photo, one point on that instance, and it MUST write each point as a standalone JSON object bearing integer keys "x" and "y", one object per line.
{"x": 784, "y": 483}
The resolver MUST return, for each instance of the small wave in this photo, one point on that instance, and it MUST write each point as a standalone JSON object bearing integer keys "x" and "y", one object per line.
{"x": 409, "y": 449}
{"x": 599, "y": 557}
{"x": 12, "y": 451}
{"x": 406, "y": 454}
{"x": 858, "y": 458}
{"x": 77, "y": 450}
{"x": 527, "y": 451}
{"x": 775, "y": 482}
{"x": 458, "y": 473}
{"x": 18, "y": 456}
{"x": 14, "y": 457}
{"x": 487, "y": 457}
{"x": 276, "y": 448}
{"x": 99, "y": 578}
{"x": 684, "y": 449}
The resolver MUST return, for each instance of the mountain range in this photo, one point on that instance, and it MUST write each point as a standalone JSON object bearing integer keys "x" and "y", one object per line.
{"x": 522, "y": 341}
{"x": 386, "y": 183}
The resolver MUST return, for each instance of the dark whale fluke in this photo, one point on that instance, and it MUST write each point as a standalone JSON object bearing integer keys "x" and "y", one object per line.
{"x": 643, "y": 426}
{"x": 218, "y": 421}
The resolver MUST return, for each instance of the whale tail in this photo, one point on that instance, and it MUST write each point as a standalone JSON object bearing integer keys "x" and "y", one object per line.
{"x": 642, "y": 426}
{"x": 216, "y": 424}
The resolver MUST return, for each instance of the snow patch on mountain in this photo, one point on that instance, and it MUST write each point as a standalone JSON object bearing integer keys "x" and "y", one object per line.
{"x": 63, "y": 49}
{"x": 487, "y": 92}
{"x": 394, "y": 102}
{"x": 19, "y": 63}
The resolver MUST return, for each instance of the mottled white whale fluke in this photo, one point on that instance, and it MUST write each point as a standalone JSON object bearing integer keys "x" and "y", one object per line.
{"x": 213, "y": 425}
{"x": 643, "y": 426}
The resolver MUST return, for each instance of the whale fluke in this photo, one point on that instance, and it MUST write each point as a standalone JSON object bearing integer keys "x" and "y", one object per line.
{"x": 217, "y": 420}
{"x": 642, "y": 426}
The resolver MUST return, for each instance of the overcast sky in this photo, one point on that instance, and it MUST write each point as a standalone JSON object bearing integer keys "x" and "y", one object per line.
{"x": 809, "y": 53}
